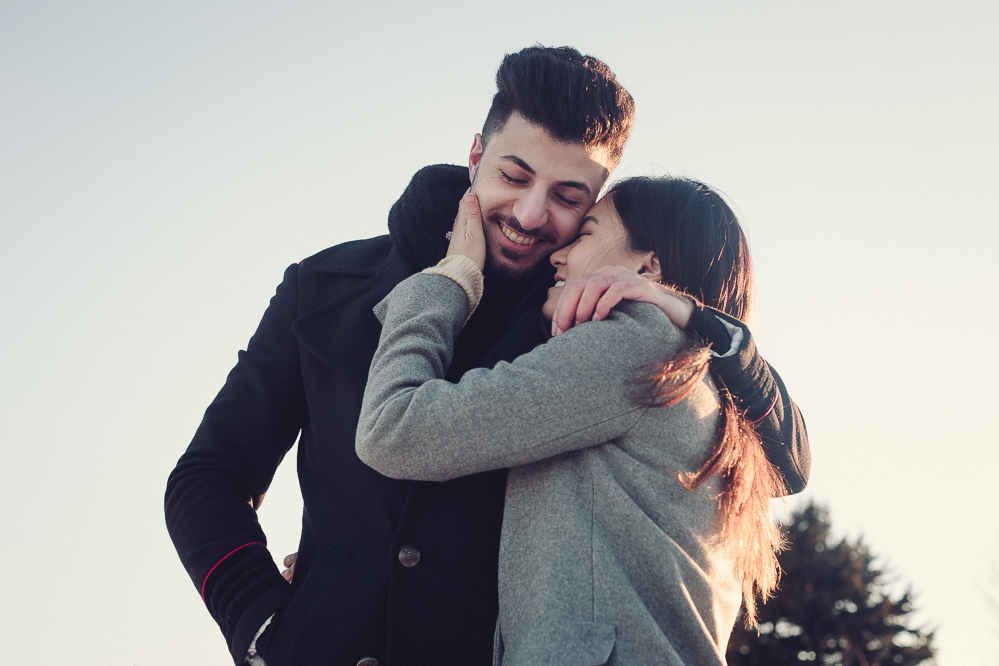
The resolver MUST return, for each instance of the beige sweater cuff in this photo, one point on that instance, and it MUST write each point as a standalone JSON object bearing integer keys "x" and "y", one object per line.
{"x": 465, "y": 273}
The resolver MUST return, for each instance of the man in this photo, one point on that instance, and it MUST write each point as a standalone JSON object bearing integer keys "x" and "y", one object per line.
{"x": 394, "y": 572}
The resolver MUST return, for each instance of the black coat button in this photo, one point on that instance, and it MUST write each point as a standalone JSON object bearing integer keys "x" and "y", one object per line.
{"x": 409, "y": 556}
{"x": 368, "y": 661}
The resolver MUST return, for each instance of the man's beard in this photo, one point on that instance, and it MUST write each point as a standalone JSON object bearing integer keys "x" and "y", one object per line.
{"x": 516, "y": 272}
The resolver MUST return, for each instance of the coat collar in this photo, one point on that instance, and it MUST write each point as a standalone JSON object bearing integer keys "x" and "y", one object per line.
{"x": 344, "y": 332}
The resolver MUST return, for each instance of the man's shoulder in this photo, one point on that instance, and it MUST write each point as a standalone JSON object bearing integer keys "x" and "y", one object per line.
{"x": 358, "y": 257}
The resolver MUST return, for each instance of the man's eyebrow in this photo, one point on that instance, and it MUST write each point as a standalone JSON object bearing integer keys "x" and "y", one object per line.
{"x": 575, "y": 184}
{"x": 519, "y": 162}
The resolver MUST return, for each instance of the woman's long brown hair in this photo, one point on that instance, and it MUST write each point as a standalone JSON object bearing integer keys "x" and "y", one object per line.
{"x": 703, "y": 252}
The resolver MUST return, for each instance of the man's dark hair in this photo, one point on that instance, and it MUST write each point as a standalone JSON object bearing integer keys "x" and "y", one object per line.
{"x": 575, "y": 98}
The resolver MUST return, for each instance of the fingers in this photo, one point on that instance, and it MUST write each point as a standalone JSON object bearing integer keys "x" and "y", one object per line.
{"x": 571, "y": 304}
{"x": 473, "y": 216}
{"x": 473, "y": 230}
{"x": 593, "y": 296}
{"x": 459, "y": 225}
{"x": 616, "y": 293}
{"x": 467, "y": 237}
{"x": 592, "y": 291}
{"x": 565, "y": 310}
{"x": 633, "y": 288}
{"x": 574, "y": 305}
{"x": 289, "y": 562}
{"x": 578, "y": 301}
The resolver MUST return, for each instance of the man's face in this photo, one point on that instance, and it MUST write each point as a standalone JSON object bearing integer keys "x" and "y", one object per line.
{"x": 533, "y": 192}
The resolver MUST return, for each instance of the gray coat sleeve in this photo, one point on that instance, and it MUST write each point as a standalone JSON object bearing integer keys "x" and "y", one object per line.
{"x": 567, "y": 394}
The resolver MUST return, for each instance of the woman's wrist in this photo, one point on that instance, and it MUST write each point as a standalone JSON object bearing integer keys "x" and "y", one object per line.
{"x": 466, "y": 273}
{"x": 677, "y": 308}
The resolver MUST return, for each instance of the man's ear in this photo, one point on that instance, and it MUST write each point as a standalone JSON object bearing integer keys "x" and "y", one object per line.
{"x": 474, "y": 156}
{"x": 650, "y": 268}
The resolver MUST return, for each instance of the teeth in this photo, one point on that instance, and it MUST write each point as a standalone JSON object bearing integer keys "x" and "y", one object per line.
{"x": 515, "y": 237}
{"x": 560, "y": 283}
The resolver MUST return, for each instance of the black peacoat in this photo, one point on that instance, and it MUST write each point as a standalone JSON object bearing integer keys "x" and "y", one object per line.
{"x": 353, "y": 595}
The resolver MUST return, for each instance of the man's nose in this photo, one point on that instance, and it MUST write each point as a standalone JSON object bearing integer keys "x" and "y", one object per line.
{"x": 531, "y": 210}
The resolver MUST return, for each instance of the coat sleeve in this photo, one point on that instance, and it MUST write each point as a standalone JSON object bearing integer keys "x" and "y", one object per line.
{"x": 567, "y": 394}
{"x": 759, "y": 391}
{"x": 221, "y": 479}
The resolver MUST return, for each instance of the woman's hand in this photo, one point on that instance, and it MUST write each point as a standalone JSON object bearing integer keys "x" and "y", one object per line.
{"x": 592, "y": 297}
{"x": 289, "y": 562}
{"x": 467, "y": 237}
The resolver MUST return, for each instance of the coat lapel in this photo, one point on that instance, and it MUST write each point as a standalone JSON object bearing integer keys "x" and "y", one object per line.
{"x": 343, "y": 333}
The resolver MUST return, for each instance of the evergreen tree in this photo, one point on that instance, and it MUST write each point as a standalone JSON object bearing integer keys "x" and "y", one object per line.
{"x": 832, "y": 608}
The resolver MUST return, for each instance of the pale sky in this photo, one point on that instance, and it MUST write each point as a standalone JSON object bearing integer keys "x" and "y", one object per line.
{"x": 161, "y": 164}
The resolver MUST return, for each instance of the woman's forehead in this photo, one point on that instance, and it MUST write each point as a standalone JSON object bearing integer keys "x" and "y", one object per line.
{"x": 601, "y": 212}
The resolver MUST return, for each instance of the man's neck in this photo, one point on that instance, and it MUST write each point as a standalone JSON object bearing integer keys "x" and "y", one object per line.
{"x": 503, "y": 298}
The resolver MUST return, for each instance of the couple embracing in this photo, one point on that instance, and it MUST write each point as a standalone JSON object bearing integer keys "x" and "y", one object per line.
{"x": 532, "y": 432}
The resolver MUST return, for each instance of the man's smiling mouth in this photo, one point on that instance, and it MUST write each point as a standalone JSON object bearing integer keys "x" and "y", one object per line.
{"x": 517, "y": 238}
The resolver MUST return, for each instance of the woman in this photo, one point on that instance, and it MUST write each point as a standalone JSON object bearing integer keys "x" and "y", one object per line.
{"x": 637, "y": 508}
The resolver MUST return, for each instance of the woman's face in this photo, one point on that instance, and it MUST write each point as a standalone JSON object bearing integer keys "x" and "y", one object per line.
{"x": 602, "y": 241}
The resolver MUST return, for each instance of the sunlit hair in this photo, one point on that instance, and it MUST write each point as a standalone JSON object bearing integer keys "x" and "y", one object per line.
{"x": 575, "y": 98}
{"x": 703, "y": 252}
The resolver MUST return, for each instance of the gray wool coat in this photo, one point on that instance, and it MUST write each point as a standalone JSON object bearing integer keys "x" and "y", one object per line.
{"x": 605, "y": 557}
